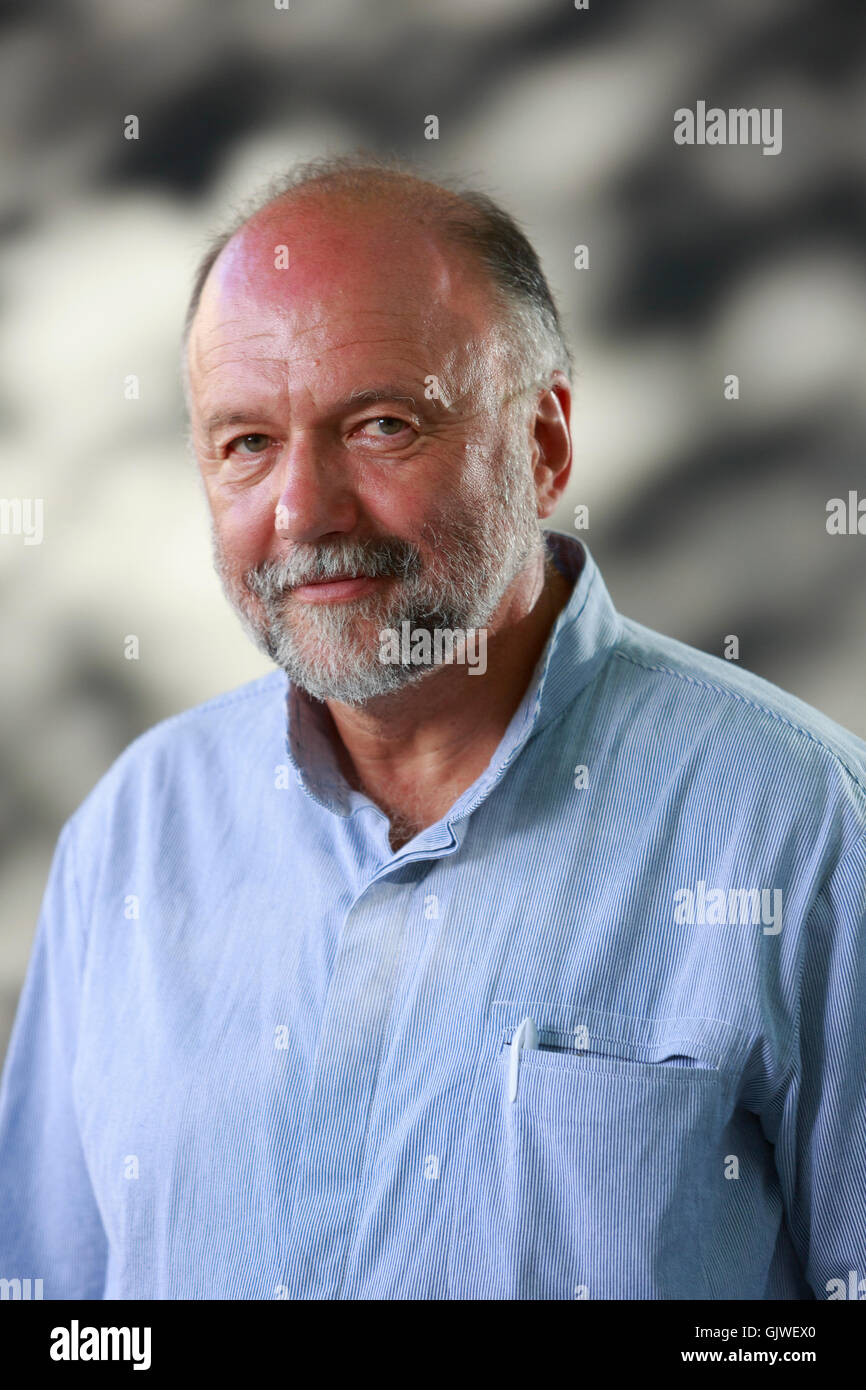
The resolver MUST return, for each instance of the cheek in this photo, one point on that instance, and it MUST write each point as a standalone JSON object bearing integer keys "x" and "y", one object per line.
{"x": 397, "y": 502}
{"x": 246, "y": 526}
{"x": 477, "y": 476}
{"x": 453, "y": 489}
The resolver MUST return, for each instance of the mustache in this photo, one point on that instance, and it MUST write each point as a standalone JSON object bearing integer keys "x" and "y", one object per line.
{"x": 387, "y": 556}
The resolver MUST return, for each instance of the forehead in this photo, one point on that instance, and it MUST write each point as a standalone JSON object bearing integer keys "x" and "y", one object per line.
{"x": 340, "y": 289}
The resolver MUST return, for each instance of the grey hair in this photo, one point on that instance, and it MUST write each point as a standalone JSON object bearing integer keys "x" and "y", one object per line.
{"x": 529, "y": 320}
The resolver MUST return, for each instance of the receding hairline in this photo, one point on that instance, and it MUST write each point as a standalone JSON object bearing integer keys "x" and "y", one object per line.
{"x": 356, "y": 187}
{"x": 469, "y": 223}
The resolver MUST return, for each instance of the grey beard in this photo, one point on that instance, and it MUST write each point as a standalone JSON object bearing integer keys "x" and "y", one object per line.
{"x": 332, "y": 650}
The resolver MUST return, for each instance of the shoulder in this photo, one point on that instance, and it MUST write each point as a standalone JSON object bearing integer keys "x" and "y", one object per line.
{"x": 749, "y": 729}
{"x": 180, "y": 755}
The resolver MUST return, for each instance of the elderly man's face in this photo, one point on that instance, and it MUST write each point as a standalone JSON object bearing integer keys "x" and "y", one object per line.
{"x": 349, "y": 417}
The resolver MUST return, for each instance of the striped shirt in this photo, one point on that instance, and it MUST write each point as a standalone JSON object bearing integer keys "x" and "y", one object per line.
{"x": 599, "y": 1032}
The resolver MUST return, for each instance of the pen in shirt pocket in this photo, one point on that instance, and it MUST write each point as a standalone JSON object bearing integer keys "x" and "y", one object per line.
{"x": 525, "y": 1036}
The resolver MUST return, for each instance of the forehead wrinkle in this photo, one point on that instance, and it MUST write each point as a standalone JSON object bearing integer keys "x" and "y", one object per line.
{"x": 366, "y": 342}
{"x": 411, "y": 330}
{"x": 231, "y": 342}
{"x": 200, "y": 352}
{"x": 278, "y": 363}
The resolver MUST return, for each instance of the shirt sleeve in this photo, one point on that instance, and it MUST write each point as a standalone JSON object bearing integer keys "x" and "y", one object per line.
{"x": 821, "y": 1144}
{"x": 50, "y": 1226}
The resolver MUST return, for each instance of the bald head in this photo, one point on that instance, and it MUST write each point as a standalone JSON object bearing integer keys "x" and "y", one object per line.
{"x": 418, "y": 215}
{"x": 311, "y": 283}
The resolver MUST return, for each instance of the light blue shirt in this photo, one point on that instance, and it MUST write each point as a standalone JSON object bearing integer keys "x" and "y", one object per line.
{"x": 600, "y": 1032}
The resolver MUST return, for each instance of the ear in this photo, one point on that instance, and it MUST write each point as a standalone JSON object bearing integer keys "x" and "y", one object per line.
{"x": 551, "y": 444}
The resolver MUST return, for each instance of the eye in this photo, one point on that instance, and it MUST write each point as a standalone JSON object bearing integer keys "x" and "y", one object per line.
{"x": 390, "y": 425}
{"x": 255, "y": 444}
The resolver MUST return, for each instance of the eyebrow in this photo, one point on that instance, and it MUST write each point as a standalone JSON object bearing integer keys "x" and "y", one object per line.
{"x": 236, "y": 417}
{"x": 388, "y": 391}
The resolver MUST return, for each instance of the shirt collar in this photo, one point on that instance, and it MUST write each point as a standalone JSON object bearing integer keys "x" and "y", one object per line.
{"x": 582, "y": 638}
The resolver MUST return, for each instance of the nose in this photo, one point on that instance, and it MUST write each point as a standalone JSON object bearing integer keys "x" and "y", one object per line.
{"x": 316, "y": 495}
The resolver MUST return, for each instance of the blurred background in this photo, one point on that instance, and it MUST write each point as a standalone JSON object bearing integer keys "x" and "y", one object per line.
{"x": 707, "y": 515}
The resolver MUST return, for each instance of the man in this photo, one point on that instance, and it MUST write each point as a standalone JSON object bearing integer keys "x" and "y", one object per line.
{"x": 531, "y": 964}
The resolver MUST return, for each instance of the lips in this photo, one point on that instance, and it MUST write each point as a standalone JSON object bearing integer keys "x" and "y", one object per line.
{"x": 335, "y": 589}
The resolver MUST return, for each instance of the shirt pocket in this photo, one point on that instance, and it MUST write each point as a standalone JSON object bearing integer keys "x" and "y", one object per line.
{"x": 602, "y": 1176}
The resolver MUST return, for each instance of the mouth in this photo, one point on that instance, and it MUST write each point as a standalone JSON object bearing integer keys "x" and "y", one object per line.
{"x": 338, "y": 587}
